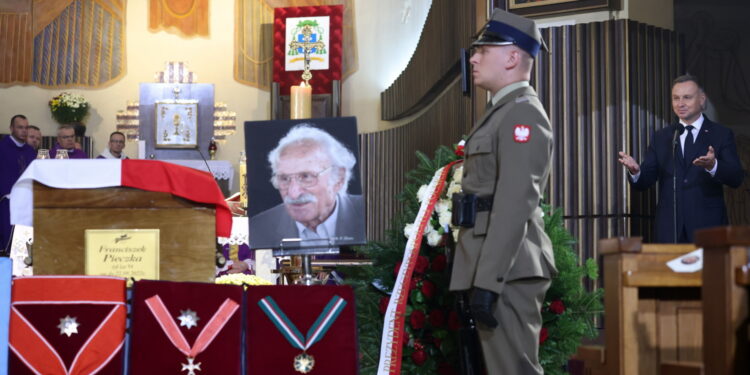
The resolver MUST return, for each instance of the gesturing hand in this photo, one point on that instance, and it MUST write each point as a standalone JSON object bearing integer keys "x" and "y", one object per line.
{"x": 629, "y": 163}
{"x": 706, "y": 161}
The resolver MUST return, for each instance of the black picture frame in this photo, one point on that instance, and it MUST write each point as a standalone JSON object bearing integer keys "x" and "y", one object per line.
{"x": 549, "y": 7}
{"x": 263, "y": 136}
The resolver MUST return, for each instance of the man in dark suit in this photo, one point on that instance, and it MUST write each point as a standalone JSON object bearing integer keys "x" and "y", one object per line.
{"x": 311, "y": 171}
{"x": 693, "y": 158}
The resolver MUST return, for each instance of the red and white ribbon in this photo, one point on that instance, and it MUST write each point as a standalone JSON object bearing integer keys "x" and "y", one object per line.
{"x": 205, "y": 337}
{"x": 391, "y": 344}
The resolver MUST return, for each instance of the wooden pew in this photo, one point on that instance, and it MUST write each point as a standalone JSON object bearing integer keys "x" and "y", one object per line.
{"x": 726, "y": 281}
{"x": 651, "y": 314}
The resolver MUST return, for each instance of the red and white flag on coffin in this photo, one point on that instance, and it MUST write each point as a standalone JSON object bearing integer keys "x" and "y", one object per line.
{"x": 149, "y": 175}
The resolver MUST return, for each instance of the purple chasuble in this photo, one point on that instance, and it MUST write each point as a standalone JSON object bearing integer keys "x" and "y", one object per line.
{"x": 72, "y": 154}
{"x": 13, "y": 161}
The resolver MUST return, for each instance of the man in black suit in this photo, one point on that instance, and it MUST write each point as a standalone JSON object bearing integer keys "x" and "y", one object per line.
{"x": 698, "y": 156}
{"x": 311, "y": 171}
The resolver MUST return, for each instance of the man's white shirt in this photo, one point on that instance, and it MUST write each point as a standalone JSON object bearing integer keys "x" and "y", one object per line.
{"x": 324, "y": 230}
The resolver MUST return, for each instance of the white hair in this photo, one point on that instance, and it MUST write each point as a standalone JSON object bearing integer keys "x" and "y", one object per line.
{"x": 337, "y": 153}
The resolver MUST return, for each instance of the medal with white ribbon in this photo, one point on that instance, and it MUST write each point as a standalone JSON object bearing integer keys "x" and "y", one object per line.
{"x": 205, "y": 337}
{"x": 303, "y": 362}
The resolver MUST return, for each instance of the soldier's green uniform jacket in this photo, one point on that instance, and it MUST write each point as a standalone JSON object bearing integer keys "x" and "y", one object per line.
{"x": 508, "y": 157}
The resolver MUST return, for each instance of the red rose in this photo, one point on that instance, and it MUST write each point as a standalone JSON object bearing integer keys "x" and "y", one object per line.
{"x": 383, "y": 305}
{"x": 414, "y": 283}
{"x": 453, "y": 323}
{"x": 396, "y": 269}
{"x": 459, "y": 150}
{"x": 437, "y": 318}
{"x": 543, "y": 334}
{"x": 437, "y": 341}
{"x": 416, "y": 319}
{"x": 422, "y": 264}
{"x": 439, "y": 263}
{"x": 419, "y": 357}
{"x": 557, "y": 307}
{"x": 428, "y": 288}
{"x": 418, "y": 345}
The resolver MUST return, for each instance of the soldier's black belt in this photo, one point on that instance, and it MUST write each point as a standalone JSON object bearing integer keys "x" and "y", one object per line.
{"x": 466, "y": 206}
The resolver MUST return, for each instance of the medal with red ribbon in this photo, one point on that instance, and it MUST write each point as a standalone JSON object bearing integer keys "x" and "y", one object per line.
{"x": 27, "y": 335}
{"x": 303, "y": 362}
{"x": 205, "y": 337}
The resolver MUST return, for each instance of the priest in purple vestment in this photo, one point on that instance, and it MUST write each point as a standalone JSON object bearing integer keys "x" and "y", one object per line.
{"x": 66, "y": 139}
{"x": 15, "y": 156}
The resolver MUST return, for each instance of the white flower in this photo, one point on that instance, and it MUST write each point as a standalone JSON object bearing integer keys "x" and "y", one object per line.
{"x": 428, "y": 228}
{"x": 433, "y": 238}
{"x": 444, "y": 218}
{"x": 442, "y": 206}
{"x": 453, "y": 188}
{"x": 422, "y": 193}
{"x": 409, "y": 230}
{"x": 458, "y": 174}
{"x": 462, "y": 142}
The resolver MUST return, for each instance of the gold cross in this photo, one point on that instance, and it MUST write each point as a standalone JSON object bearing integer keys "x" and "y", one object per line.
{"x": 307, "y": 46}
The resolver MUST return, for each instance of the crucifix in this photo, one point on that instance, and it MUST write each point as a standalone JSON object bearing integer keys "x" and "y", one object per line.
{"x": 307, "y": 46}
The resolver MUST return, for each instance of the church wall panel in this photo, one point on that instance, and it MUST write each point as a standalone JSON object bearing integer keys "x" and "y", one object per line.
{"x": 389, "y": 154}
{"x": 606, "y": 88}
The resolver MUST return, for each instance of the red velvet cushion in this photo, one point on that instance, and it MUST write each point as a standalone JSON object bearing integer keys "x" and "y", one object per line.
{"x": 322, "y": 79}
{"x": 151, "y": 352}
{"x": 43, "y": 301}
{"x": 268, "y": 352}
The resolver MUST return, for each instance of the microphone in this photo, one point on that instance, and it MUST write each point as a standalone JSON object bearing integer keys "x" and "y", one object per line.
{"x": 679, "y": 129}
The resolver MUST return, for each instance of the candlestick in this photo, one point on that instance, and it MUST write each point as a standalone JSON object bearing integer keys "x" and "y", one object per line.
{"x": 301, "y": 101}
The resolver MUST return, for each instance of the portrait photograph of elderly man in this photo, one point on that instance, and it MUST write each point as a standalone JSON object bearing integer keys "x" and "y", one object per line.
{"x": 303, "y": 183}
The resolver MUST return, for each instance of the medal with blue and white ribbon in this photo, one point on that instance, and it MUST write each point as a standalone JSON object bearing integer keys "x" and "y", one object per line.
{"x": 304, "y": 362}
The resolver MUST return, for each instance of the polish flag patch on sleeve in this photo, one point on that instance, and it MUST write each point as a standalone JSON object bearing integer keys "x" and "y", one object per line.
{"x": 522, "y": 133}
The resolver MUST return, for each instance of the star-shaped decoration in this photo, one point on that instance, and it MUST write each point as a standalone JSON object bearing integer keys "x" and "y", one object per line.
{"x": 304, "y": 363}
{"x": 188, "y": 318}
{"x": 68, "y": 325}
{"x": 190, "y": 367}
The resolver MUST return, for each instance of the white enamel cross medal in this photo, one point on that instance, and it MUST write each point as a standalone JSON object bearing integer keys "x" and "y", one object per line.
{"x": 191, "y": 367}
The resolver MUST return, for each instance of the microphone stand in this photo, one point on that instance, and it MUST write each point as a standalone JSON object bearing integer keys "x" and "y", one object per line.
{"x": 675, "y": 142}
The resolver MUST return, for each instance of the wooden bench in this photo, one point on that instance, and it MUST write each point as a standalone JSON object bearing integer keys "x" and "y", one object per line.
{"x": 726, "y": 281}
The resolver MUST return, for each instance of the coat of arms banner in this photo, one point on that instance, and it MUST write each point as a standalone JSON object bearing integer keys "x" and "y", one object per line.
{"x": 315, "y": 29}
{"x": 254, "y": 38}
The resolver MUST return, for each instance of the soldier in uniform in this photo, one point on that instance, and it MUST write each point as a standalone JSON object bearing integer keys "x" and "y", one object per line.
{"x": 504, "y": 258}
